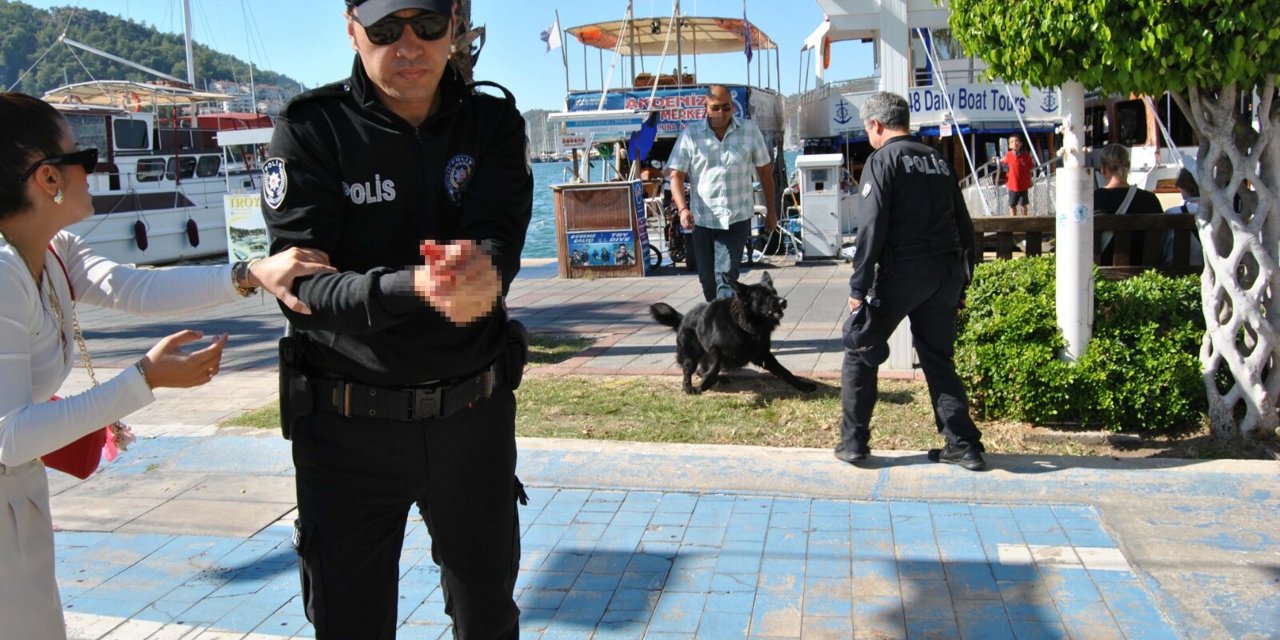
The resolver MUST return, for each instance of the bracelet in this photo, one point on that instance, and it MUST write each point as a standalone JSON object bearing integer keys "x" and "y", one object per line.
{"x": 143, "y": 372}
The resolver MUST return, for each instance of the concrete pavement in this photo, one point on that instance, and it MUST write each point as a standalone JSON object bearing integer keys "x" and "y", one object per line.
{"x": 188, "y": 535}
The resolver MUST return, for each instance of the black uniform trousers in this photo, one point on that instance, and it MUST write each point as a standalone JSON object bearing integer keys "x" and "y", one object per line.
{"x": 357, "y": 479}
{"x": 927, "y": 290}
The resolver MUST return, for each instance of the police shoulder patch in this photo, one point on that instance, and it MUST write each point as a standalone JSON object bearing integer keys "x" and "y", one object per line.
{"x": 866, "y": 189}
{"x": 275, "y": 182}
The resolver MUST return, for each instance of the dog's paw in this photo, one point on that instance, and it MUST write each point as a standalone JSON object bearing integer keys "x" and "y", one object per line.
{"x": 807, "y": 386}
{"x": 692, "y": 390}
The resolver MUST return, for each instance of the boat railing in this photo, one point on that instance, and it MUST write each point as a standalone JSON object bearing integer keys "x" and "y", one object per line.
{"x": 857, "y": 85}
{"x": 985, "y": 185}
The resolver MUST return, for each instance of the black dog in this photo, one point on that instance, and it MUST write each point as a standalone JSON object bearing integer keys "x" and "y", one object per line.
{"x": 728, "y": 333}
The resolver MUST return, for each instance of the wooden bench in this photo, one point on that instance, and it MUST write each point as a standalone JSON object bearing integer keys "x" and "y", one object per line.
{"x": 1029, "y": 232}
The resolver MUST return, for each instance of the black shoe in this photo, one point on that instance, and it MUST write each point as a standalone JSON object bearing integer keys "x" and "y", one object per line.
{"x": 851, "y": 457}
{"x": 968, "y": 457}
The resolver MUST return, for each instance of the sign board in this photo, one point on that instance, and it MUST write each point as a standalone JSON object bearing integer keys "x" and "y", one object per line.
{"x": 944, "y": 130}
{"x": 972, "y": 103}
{"x": 246, "y": 230}
{"x": 573, "y": 141}
{"x": 676, "y": 107}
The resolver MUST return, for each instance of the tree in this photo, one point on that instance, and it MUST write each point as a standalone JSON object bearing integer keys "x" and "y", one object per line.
{"x": 1217, "y": 58}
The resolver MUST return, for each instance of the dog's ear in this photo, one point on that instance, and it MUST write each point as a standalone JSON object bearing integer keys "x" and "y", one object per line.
{"x": 739, "y": 289}
{"x": 766, "y": 279}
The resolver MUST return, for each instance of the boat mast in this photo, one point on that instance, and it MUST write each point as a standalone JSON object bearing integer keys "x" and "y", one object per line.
{"x": 191, "y": 55}
{"x": 679, "y": 48}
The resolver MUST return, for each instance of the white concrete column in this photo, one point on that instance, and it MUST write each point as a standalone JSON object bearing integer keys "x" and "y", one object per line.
{"x": 1074, "y": 229}
{"x": 895, "y": 47}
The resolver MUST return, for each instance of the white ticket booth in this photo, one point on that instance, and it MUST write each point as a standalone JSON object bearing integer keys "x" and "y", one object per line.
{"x": 820, "y": 204}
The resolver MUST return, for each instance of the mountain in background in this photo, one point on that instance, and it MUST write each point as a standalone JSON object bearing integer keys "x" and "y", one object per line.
{"x": 27, "y": 33}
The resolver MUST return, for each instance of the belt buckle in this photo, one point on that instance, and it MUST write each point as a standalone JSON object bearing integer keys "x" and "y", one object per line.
{"x": 426, "y": 403}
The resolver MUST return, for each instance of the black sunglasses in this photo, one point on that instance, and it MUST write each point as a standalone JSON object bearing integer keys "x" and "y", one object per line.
{"x": 719, "y": 107}
{"x": 86, "y": 158}
{"x": 427, "y": 26}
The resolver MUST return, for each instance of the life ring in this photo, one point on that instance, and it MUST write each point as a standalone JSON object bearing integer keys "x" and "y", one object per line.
{"x": 73, "y": 100}
{"x": 136, "y": 101}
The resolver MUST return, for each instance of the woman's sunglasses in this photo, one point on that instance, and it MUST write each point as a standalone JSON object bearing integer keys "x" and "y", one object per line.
{"x": 86, "y": 158}
{"x": 427, "y": 26}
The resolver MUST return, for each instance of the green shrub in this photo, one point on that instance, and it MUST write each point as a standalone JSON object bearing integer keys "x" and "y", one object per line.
{"x": 1141, "y": 371}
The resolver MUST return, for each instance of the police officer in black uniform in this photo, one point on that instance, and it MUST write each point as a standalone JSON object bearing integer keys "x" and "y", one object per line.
{"x": 912, "y": 260}
{"x": 397, "y": 389}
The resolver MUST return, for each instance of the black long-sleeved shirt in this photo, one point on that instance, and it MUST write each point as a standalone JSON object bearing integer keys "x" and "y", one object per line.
{"x": 911, "y": 206}
{"x": 349, "y": 177}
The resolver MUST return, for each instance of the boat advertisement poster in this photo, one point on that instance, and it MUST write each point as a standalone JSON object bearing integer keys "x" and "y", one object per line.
{"x": 615, "y": 248}
{"x": 246, "y": 229}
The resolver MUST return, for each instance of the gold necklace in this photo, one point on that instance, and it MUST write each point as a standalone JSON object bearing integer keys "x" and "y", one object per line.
{"x": 52, "y": 307}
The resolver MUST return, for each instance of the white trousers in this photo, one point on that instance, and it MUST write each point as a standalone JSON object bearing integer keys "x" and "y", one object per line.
{"x": 29, "y": 604}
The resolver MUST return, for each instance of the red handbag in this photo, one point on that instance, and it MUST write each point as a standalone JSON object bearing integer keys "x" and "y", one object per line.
{"x": 82, "y": 457}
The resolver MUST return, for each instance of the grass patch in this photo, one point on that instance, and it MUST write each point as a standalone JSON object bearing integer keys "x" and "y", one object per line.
{"x": 759, "y": 410}
{"x": 267, "y": 417}
{"x": 547, "y": 349}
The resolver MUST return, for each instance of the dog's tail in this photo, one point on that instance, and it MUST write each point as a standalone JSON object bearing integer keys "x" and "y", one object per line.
{"x": 665, "y": 314}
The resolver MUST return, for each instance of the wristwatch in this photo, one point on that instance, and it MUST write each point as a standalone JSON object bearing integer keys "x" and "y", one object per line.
{"x": 240, "y": 278}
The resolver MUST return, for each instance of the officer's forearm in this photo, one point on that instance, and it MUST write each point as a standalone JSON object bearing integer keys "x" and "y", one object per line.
{"x": 354, "y": 303}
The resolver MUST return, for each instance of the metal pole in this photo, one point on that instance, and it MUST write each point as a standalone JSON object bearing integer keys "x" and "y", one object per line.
{"x": 191, "y": 54}
{"x": 564, "y": 52}
{"x": 631, "y": 41}
{"x": 1074, "y": 228}
{"x": 679, "y": 47}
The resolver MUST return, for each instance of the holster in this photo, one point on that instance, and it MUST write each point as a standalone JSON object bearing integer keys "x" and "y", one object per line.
{"x": 517, "y": 354}
{"x": 296, "y": 401}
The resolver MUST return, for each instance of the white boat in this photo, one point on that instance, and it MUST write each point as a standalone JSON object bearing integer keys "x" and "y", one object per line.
{"x": 159, "y": 185}
{"x": 969, "y": 117}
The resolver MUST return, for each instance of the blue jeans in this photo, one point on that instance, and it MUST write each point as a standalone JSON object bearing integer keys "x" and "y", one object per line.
{"x": 718, "y": 253}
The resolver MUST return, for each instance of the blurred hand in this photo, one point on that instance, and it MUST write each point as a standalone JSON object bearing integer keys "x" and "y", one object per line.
{"x": 854, "y": 303}
{"x": 276, "y": 274}
{"x": 167, "y": 365}
{"x": 770, "y": 222}
{"x": 458, "y": 279}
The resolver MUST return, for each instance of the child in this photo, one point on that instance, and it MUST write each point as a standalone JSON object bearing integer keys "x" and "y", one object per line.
{"x": 1017, "y": 166}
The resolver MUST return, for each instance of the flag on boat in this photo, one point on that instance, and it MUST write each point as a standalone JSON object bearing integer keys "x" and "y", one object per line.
{"x": 746, "y": 32}
{"x": 552, "y": 35}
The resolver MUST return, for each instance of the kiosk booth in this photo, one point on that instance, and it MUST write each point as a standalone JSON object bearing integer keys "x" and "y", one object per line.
{"x": 600, "y": 229}
{"x": 820, "y": 217}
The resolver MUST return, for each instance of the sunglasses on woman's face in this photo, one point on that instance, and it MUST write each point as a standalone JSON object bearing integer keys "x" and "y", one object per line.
{"x": 86, "y": 158}
{"x": 427, "y": 26}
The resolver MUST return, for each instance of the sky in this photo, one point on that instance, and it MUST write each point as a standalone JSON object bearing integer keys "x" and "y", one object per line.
{"x": 306, "y": 39}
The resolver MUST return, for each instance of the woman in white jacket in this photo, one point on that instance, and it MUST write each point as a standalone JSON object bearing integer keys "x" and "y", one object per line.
{"x": 43, "y": 189}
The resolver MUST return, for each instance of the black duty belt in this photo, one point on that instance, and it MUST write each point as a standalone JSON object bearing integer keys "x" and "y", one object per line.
{"x": 924, "y": 250}
{"x": 441, "y": 400}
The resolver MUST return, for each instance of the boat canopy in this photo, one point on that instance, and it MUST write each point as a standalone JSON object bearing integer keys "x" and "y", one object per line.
{"x": 648, "y": 36}
{"x": 129, "y": 95}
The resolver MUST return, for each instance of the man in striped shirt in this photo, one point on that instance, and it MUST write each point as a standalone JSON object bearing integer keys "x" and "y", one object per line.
{"x": 719, "y": 155}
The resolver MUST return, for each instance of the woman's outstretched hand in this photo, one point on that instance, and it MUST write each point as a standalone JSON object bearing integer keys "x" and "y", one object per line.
{"x": 167, "y": 365}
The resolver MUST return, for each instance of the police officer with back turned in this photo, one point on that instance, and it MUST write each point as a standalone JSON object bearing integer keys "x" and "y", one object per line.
{"x": 398, "y": 389}
{"x": 912, "y": 260}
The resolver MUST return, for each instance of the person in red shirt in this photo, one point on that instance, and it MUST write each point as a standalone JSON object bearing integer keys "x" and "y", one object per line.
{"x": 1017, "y": 166}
